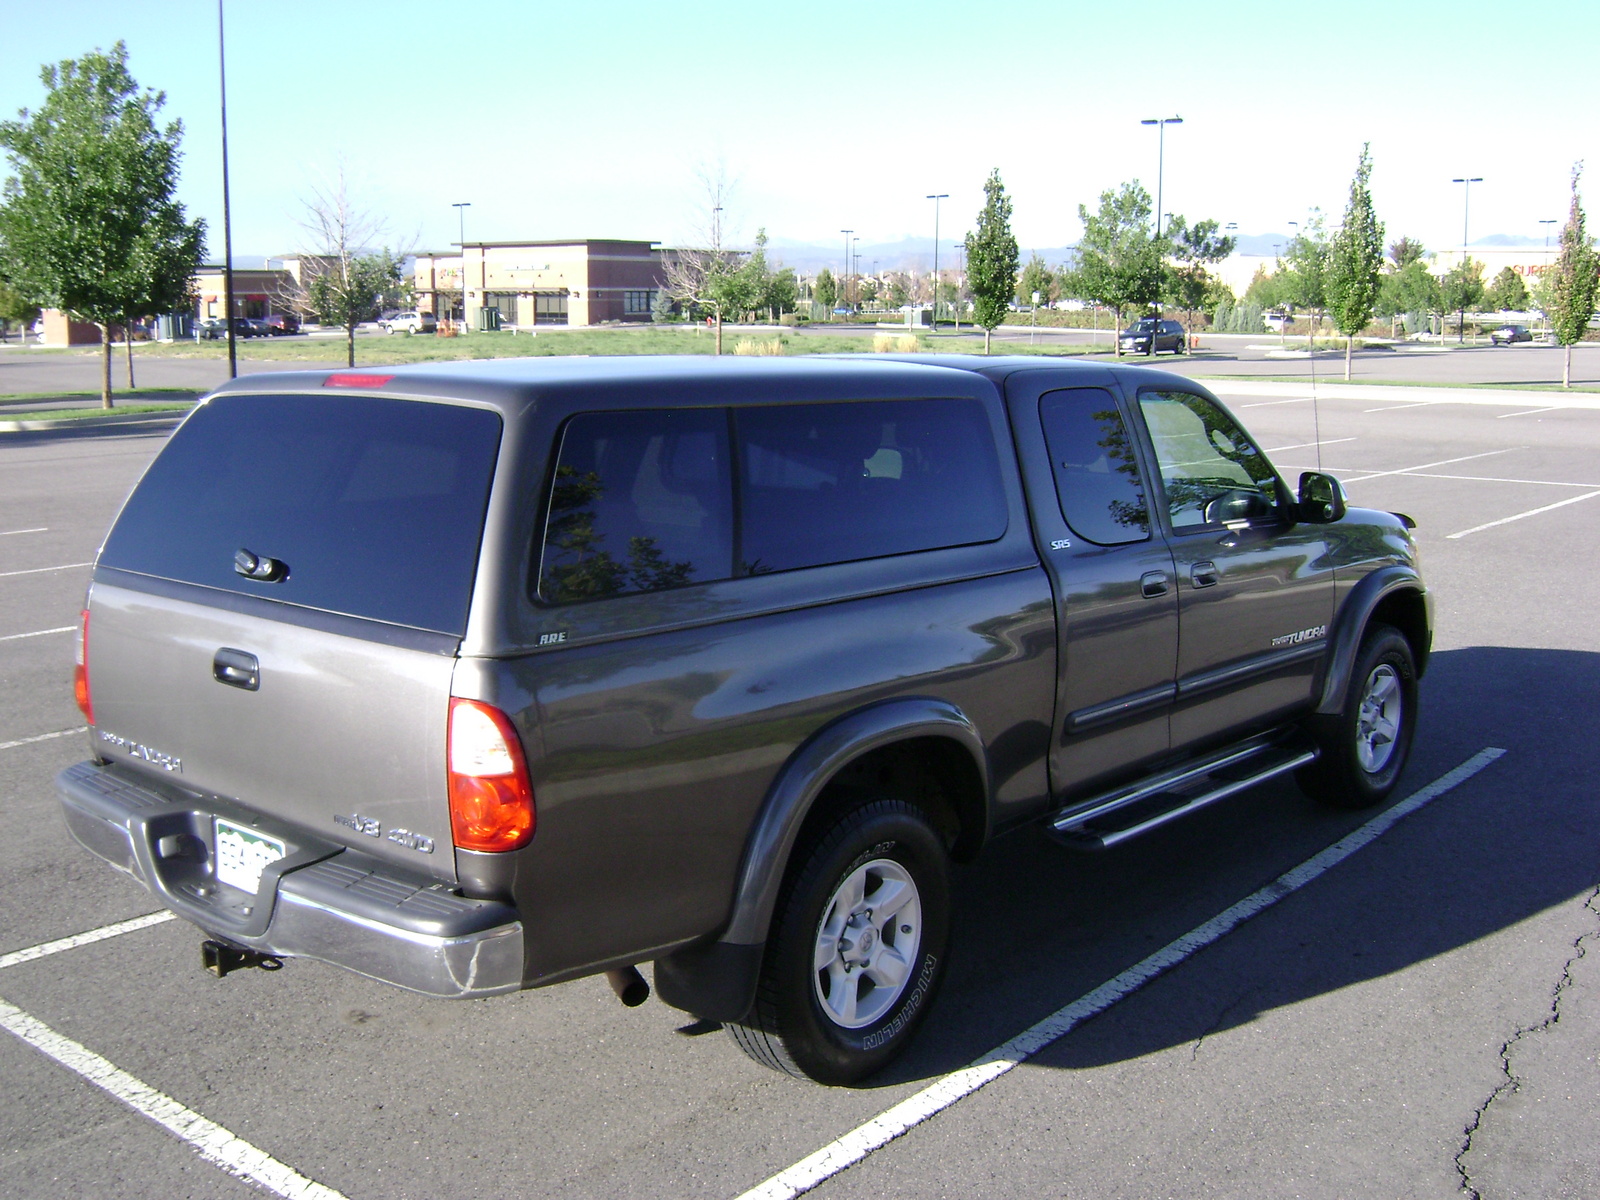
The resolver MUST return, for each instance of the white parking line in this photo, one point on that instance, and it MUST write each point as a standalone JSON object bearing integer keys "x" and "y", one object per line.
{"x": 1530, "y": 412}
{"x": 1270, "y": 403}
{"x": 43, "y": 570}
{"x": 14, "y": 637}
{"x": 1443, "y": 462}
{"x": 1532, "y": 512}
{"x": 43, "y": 737}
{"x": 890, "y": 1124}
{"x": 1303, "y": 445}
{"x": 1396, "y": 407}
{"x": 1499, "y": 479}
{"x": 14, "y": 532}
{"x": 45, "y": 949}
{"x": 211, "y": 1141}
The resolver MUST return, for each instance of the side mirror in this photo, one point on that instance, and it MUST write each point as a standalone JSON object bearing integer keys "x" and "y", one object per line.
{"x": 1322, "y": 499}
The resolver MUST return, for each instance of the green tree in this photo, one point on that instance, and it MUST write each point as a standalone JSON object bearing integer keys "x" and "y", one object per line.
{"x": 1572, "y": 281}
{"x": 89, "y": 224}
{"x": 1304, "y": 282}
{"x": 1036, "y": 277}
{"x": 1461, "y": 289}
{"x": 1355, "y": 260}
{"x": 826, "y": 291}
{"x": 1405, "y": 252}
{"x": 1508, "y": 293}
{"x": 1266, "y": 291}
{"x": 14, "y": 308}
{"x": 992, "y": 258}
{"x": 1119, "y": 259}
{"x": 1195, "y": 248}
{"x": 1412, "y": 289}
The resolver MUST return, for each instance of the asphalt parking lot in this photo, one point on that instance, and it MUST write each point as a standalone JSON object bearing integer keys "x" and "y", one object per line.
{"x": 1420, "y": 1017}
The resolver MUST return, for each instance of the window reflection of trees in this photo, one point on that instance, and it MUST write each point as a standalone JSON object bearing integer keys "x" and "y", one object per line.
{"x": 1204, "y": 456}
{"x": 578, "y": 567}
{"x": 1131, "y": 514}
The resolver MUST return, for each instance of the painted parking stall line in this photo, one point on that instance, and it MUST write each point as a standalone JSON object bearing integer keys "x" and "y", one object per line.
{"x": 854, "y": 1146}
{"x": 1443, "y": 462}
{"x": 1532, "y": 512}
{"x": 15, "y": 532}
{"x": 45, "y": 570}
{"x": 45, "y": 949}
{"x": 17, "y": 637}
{"x": 208, "y": 1139}
{"x": 43, "y": 737}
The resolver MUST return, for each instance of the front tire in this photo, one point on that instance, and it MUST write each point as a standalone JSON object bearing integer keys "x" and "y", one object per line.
{"x": 1365, "y": 747}
{"x": 857, "y": 947}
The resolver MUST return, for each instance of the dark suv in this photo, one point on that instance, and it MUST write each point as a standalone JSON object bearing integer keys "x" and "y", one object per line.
{"x": 479, "y": 677}
{"x": 1168, "y": 336}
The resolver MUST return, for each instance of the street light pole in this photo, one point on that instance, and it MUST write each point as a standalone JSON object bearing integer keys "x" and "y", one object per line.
{"x": 855, "y": 268}
{"x": 1466, "y": 196}
{"x": 1161, "y": 124}
{"x": 936, "y": 199}
{"x": 227, "y": 216}
{"x": 461, "y": 222}
{"x": 844, "y": 284}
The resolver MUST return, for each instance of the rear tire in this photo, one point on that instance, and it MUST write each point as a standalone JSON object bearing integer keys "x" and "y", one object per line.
{"x": 857, "y": 947}
{"x": 1365, "y": 747}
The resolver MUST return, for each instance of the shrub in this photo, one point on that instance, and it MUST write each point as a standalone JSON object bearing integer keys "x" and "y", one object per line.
{"x": 759, "y": 346}
{"x": 889, "y": 343}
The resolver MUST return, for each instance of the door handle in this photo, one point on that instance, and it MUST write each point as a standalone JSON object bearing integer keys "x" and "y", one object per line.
{"x": 1203, "y": 574}
{"x": 236, "y": 669}
{"x": 1153, "y": 583}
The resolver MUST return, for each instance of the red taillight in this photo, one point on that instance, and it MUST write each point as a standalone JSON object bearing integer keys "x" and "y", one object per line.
{"x": 355, "y": 379}
{"x": 80, "y": 669}
{"x": 491, "y": 800}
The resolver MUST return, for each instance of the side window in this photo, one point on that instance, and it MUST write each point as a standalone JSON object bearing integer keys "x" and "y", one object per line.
{"x": 1211, "y": 471}
{"x": 832, "y": 483}
{"x": 1097, "y": 477}
{"x": 641, "y": 502}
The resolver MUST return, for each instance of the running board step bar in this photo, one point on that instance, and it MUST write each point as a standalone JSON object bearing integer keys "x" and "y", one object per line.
{"x": 1118, "y": 816}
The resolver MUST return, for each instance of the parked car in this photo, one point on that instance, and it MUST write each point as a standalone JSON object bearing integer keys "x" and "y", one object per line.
{"x": 282, "y": 324}
{"x": 1506, "y": 335}
{"x": 210, "y": 329}
{"x": 1276, "y": 320}
{"x": 216, "y": 328}
{"x": 1168, "y": 336}
{"x": 409, "y": 322}
{"x": 509, "y": 673}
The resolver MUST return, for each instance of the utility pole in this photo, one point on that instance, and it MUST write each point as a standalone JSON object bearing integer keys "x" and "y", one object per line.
{"x": 1466, "y": 197}
{"x": 461, "y": 223}
{"x": 1161, "y": 124}
{"x": 844, "y": 284}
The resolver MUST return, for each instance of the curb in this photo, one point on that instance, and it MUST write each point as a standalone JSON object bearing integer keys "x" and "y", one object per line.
{"x": 92, "y": 422}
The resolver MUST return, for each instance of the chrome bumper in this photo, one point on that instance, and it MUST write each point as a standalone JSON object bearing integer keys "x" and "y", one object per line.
{"x": 321, "y": 901}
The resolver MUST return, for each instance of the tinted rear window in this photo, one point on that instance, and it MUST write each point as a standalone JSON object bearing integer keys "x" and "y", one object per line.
{"x": 374, "y": 506}
{"x": 831, "y": 483}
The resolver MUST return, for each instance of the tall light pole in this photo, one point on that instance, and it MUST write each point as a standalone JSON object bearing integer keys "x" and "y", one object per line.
{"x": 1161, "y": 124}
{"x": 936, "y": 199}
{"x": 461, "y": 222}
{"x": 1547, "y": 222}
{"x": 227, "y": 218}
{"x": 844, "y": 284}
{"x": 1466, "y": 196}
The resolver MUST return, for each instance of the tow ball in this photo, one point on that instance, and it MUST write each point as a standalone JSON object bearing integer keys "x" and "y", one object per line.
{"x": 220, "y": 958}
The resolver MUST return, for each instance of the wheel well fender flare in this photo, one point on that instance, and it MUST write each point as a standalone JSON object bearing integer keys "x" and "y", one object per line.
{"x": 1393, "y": 588}
{"x": 807, "y": 774}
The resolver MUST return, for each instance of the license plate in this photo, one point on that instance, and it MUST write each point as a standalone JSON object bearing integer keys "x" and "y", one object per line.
{"x": 242, "y": 854}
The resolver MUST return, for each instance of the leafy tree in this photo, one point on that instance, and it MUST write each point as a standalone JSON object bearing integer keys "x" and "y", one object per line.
{"x": 1266, "y": 291}
{"x": 1036, "y": 277}
{"x": 1405, "y": 252}
{"x": 992, "y": 258}
{"x": 1194, "y": 248}
{"x": 15, "y": 308}
{"x": 708, "y": 276}
{"x": 89, "y": 223}
{"x": 1304, "y": 281}
{"x": 1355, "y": 260}
{"x": 1461, "y": 289}
{"x": 1573, "y": 279}
{"x": 899, "y": 294}
{"x": 1508, "y": 293}
{"x": 1412, "y": 289}
{"x": 1119, "y": 258}
{"x": 826, "y": 290}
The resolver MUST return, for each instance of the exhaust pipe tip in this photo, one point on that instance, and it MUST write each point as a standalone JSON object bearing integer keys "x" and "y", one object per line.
{"x": 629, "y": 985}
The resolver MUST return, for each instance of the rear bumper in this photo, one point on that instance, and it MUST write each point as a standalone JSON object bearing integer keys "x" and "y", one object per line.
{"x": 321, "y": 901}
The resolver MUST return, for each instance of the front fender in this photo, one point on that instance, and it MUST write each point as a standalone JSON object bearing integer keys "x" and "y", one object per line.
{"x": 1351, "y": 621}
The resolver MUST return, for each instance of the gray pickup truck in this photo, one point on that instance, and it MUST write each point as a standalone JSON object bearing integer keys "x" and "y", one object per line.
{"x": 474, "y": 678}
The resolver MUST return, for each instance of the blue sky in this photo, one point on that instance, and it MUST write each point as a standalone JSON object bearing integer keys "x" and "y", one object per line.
{"x": 561, "y": 120}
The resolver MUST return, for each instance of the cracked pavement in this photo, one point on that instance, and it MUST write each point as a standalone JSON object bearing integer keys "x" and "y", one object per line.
{"x": 1534, "y": 1135}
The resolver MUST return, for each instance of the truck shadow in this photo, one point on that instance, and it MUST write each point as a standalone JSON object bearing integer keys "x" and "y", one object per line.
{"x": 1038, "y": 926}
